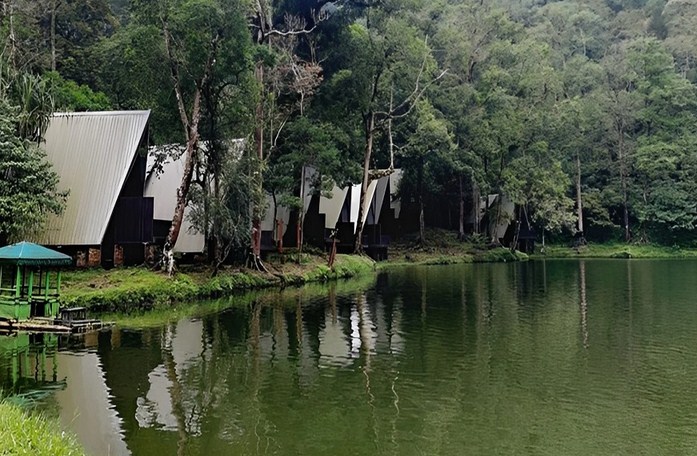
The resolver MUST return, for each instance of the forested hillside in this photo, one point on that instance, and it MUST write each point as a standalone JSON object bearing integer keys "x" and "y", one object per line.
{"x": 583, "y": 112}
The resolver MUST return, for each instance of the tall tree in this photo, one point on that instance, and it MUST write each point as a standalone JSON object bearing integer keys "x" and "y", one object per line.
{"x": 28, "y": 184}
{"x": 385, "y": 66}
{"x": 197, "y": 37}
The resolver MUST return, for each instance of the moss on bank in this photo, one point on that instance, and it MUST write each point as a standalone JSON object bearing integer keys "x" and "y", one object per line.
{"x": 28, "y": 433}
{"x": 130, "y": 289}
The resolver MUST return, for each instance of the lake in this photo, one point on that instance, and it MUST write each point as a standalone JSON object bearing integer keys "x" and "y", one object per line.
{"x": 555, "y": 357}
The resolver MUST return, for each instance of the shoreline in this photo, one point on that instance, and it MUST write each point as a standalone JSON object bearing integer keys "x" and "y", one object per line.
{"x": 138, "y": 289}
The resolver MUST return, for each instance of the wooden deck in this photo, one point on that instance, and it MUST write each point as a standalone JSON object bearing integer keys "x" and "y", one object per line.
{"x": 69, "y": 321}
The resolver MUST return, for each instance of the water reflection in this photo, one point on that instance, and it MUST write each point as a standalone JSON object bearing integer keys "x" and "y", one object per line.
{"x": 538, "y": 358}
{"x": 29, "y": 367}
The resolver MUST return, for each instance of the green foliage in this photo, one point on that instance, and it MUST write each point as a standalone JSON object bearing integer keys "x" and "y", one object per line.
{"x": 500, "y": 255}
{"x": 537, "y": 94}
{"x": 71, "y": 96}
{"x": 28, "y": 184}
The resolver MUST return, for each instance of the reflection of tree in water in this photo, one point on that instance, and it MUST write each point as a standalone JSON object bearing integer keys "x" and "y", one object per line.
{"x": 584, "y": 303}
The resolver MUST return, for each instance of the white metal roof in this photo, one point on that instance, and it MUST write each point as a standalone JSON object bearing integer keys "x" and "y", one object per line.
{"x": 306, "y": 189}
{"x": 395, "y": 203}
{"x": 355, "y": 202}
{"x": 282, "y": 214}
{"x": 92, "y": 152}
{"x": 369, "y": 194}
{"x": 163, "y": 188}
{"x": 331, "y": 207}
{"x": 379, "y": 198}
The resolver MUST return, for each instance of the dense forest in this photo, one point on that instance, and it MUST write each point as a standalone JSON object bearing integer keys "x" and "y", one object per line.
{"x": 582, "y": 112}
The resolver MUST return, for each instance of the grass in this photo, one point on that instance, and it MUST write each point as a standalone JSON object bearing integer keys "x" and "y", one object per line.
{"x": 26, "y": 433}
{"x": 443, "y": 247}
{"x": 129, "y": 289}
{"x": 288, "y": 296}
{"x": 616, "y": 250}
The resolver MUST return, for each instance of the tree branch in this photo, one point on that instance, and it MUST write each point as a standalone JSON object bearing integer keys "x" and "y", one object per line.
{"x": 174, "y": 73}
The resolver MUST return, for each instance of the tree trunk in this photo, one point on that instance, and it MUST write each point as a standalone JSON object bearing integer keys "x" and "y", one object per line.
{"x": 420, "y": 187}
{"x": 623, "y": 182}
{"x": 422, "y": 223}
{"x": 369, "y": 136}
{"x": 259, "y": 145}
{"x": 11, "y": 34}
{"x": 475, "y": 204}
{"x": 516, "y": 235}
{"x": 182, "y": 192}
{"x": 461, "y": 233}
{"x": 497, "y": 220}
{"x": 579, "y": 201}
{"x": 53, "y": 34}
{"x": 191, "y": 132}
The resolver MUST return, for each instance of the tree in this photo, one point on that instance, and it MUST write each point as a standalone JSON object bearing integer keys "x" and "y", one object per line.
{"x": 428, "y": 150}
{"x": 285, "y": 82}
{"x": 382, "y": 68}
{"x": 197, "y": 36}
{"x": 28, "y": 185}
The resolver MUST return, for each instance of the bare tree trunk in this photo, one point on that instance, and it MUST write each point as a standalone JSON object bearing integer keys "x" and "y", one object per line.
{"x": 369, "y": 136}
{"x": 420, "y": 185}
{"x": 497, "y": 220}
{"x": 461, "y": 233}
{"x": 516, "y": 235}
{"x": 623, "y": 180}
{"x": 259, "y": 144}
{"x": 475, "y": 203}
{"x": 182, "y": 192}
{"x": 579, "y": 200}
{"x": 299, "y": 226}
{"x": 11, "y": 34}
{"x": 191, "y": 131}
{"x": 422, "y": 223}
{"x": 54, "y": 6}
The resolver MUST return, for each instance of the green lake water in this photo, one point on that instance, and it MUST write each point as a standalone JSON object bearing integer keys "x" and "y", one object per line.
{"x": 564, "y": 357}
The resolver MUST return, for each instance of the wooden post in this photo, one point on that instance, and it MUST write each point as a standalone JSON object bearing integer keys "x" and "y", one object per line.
{"x": 18, "y": 283}
{"x": 30, "y": 289}
{"x": 279, "y": 235}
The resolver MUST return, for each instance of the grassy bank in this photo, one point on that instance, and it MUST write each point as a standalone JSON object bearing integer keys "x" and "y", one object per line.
{"x": 131, "y": 289}
{"x": 616, "y": 250}
{"x": 283, "y": 297}
{"x": 27, "y": 433}
{"x": 443, "y": 247}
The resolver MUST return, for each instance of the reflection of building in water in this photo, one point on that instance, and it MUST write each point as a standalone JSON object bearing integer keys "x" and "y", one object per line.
{"x": 28, "y": 363}
{"x": 366, "y": 328}
{"x": 97, "y": 425}
{"x": 165, "y": 398}
{"x": 33, "y": 367}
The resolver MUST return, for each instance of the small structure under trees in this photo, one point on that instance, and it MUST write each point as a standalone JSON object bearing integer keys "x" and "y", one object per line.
{"x": 30, "y": 281}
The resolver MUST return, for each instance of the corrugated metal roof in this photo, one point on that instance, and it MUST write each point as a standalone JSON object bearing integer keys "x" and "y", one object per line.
{"x": 379, "y": 198}
{"x": 369, "y": 194}
{"x": 331, "y": 207}
{"x": 163, "y": 188}
{"x": 395, "y": 203}
{"x": 92, "y": 152}
{"x": 282, "y": 214}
